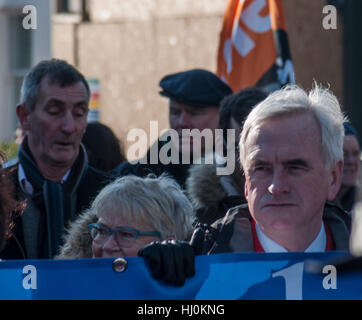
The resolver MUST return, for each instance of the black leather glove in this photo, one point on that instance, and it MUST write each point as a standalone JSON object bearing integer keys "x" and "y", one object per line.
{"x": 170, "y": 261}
{"x": 174, "y": 261}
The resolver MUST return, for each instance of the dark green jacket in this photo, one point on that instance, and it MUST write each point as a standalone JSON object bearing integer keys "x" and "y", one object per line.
{"x": 234, "y": 234}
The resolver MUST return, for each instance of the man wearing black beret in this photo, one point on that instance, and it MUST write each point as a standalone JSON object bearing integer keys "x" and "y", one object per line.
{"x": 194, "y": 100}
{"x": 196, "y": 88}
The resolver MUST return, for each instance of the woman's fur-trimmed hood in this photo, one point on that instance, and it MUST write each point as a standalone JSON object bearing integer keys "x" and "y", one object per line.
{"x": 203, "y": 187}
{"x": 212, "y": 194}
{"x": 77, "y": 239}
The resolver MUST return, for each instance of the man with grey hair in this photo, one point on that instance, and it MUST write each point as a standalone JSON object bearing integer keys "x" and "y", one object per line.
{"x": 291, "y": 152}
{"x": 52, "y": 174}
{"x": 292, "y": 156}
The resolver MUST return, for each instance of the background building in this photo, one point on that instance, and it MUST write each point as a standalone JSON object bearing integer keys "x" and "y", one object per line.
{"x": 19, "y": 50}
{"x": 127, "y": 46}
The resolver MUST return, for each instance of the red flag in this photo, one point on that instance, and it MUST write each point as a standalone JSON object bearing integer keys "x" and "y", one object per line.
{"x": 253, "y": 48}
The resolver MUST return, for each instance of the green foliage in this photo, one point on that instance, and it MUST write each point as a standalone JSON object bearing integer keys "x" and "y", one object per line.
{"x": 10, "y": 149}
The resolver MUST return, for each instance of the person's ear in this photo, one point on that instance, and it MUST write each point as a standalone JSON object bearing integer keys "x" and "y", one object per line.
{"x": 336, "y": 179}
{"x": 246, "y": 193}
{"x": 23, "y": 112}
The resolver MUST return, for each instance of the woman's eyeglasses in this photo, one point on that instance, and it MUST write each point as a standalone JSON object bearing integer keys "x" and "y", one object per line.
{"x": 124, "y": 236}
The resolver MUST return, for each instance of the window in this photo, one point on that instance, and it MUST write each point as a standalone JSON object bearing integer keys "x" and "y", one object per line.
{"x": 20, "y": 59}
{"x": 69, "y": 6}
{"x": 73, "y": 7}
{"x": 20, "y": 44}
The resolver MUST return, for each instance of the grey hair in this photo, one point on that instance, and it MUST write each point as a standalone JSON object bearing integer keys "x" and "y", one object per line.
{"x": 157, "y": 201}
{"x": 57, "y": 71}
{"x": 320, "y": 102}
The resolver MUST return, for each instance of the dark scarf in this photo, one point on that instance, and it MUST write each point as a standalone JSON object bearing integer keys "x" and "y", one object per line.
{"x": 59, "y": 199}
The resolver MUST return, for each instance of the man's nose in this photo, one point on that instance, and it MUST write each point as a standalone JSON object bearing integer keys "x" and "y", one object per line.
{"x": 279, "y": 183}
{"x": 185, "y": 121}
{"x": 68, "y": 125}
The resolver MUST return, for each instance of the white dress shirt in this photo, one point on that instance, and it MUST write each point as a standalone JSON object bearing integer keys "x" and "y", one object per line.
{"x": 269, "y": 245}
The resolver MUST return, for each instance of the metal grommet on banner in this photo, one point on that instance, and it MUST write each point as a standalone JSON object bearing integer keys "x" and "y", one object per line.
{"x": 119, "y": 265}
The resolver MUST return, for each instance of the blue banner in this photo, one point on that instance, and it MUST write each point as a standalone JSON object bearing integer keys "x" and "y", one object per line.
{"x": 218, "y": 277}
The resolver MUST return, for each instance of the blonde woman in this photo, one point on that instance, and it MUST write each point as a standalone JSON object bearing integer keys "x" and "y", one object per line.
{"x": 128, "y": 214}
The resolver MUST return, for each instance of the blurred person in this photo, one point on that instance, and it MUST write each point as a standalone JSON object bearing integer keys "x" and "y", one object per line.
{"x": 194, "y": 100}
{"x": 128, "y": 214}
{"x": 356, "y": 234}
{"x": 291, "y": 150}
{"x": 352, "y": 154}
{"x": 353, "y": 263}
{"x": 8, "y": 203}
{"x": 19, "y": 136}
{"x": 104, "y": 149}
{"x": 52, "y": 174}
{"x": 211, "y": 194}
